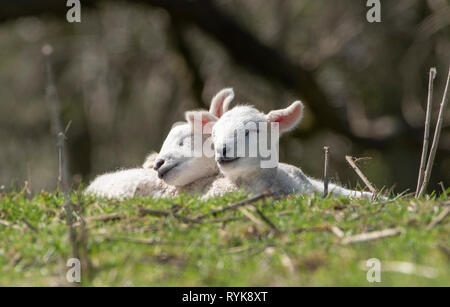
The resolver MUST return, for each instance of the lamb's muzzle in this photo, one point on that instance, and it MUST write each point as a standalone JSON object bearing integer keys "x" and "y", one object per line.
{"x": 165, "y": 169}
{"x": 248, "y": 171}
{"x": 181, "y": 172}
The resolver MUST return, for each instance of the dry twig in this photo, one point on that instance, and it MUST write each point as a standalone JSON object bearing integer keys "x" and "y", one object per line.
{"x": 369, "y": 236}
{"x": 13, "y": 262}
{"x": 439, "y": 218}
{"x": 57, "y": 128}
{"x": 161, "y": 213}
{"x": 325, "y": 171}
{"x": 361, "y": 175}
{"x": 148, "y": 241}
{"x": 251, "y": 217}
{"x": 236, "y": 205}
{"x": 106, "y": 217}
{"x": 31, "y": 227}
{"x": 337, "y": 231}
{"x": 5, "y": 223}
{"x": 426, "y": 135}
{"x": 437, "y": 134}
{"x": 267, "y": 221}
{"x": 441, "y": 183}
{"x": 405, "y": 268}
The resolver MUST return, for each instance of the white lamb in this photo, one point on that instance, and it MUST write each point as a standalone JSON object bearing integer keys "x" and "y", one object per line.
{"x": 175, "y": 169}
{"x": 239, "y": 127}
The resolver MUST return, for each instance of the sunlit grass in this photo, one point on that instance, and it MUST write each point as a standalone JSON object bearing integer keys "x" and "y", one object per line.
{"x": 229, "y": 249}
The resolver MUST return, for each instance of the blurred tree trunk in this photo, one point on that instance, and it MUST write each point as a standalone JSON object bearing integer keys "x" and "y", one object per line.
{"x": 246, "y": 50}
{"x": 182, "y": 46}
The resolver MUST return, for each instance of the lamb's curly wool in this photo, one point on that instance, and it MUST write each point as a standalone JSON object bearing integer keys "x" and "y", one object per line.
{"x": 207, "y": 187}
{"x": 177, "y": 172}
{"x": 145, "y": 182}
{"x": 128, "y": 183}
{"x": 247, "y": 171}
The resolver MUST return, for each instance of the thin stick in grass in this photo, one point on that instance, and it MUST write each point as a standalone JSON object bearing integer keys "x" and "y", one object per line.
{"x": 326, "y": 150}
{"x": 361, "y": 175}
{"x": 267, "y": 221}
{"x": 437, "y": 134}
{"x": 28, "y": 224}
{"x": 439, "y": 218}
{"x": 426, "y": 135}
{"x": 237, "y": 205}
{"x": 57, "y": 128}
{"x": 374, "y": 235}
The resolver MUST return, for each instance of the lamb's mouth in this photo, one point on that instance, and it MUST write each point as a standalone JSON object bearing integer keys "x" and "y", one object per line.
{"x": 225, "y": 160}
{"x": 164, "y": 170}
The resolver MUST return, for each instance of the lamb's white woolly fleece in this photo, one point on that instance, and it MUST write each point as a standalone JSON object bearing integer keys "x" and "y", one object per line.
{"x": 246, "y": 172}
{"x": 178, "y": 171}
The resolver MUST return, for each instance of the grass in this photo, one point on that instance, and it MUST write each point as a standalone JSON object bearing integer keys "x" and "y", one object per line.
{"x": 229, "y": 249}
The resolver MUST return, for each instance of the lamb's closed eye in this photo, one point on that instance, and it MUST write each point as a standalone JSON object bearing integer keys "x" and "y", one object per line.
{"x": 261, "y": 172}
{"x": 178, "y": 175}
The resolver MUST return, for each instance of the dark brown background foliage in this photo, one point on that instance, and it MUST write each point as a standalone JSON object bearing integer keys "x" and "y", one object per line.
{"x": 131, "y": 68}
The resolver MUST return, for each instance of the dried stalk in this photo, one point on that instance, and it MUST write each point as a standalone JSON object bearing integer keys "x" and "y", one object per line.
{"x": 267, "y": 221}
{"x": 441, "y": 183}
{"x": 337, "y": 231}
{"x": 149, "y": 241}
{"x": 437, "y": 134}
{"x": 439, "y": 218}
{"x": 402, "y": 267}
{"x": 5, "y": 223}
{"x": 159, "y": 213}
{"x": 28, "y": 224}
{"x": 106, "y": 217}
{"x": 361, "y": 175}
{"x": 426, "y": 135}
{"x": 251, "y": 217}
{"x": 325, "y": 171}
{"x": 57, "y": 128}
{"x": 369, "y": 236}
{"x": 236, "y": 205}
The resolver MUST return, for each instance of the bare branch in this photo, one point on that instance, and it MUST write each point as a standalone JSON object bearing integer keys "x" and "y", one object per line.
{"x": 361, "y": 175}
{"x": 426, "y": 135}
{"x": 148, "y": 241}
{"x": 29, "y": 225}
{"x": 437, "y": 134}
{"x": 267, "y": 221}
{"x": 337, "y": 231}
{"x": 439, "y": 218}
{"x": 63, "y": 172}
{"x": 236, "y": 205}
{"x": 153, "y": 212}
{"x": 325, "y": 171}
{"x": 369, "y": 236}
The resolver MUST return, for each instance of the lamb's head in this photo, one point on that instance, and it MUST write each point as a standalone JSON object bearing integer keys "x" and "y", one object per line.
{"x": 181, "y": 161}
{"x": 246, "y": 140}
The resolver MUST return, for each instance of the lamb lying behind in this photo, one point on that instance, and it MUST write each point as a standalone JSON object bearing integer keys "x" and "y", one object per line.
{"x": 125, "y": 183}
{"x": 175, "y": 170}
{"x": 240, "y": 128}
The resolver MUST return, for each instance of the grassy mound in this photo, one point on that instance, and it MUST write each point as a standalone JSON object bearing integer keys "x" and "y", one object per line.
{"x": 291, "y": 241}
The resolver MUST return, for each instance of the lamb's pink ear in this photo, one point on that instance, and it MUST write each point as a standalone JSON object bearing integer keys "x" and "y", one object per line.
{"x": 287, "y": 118}
{"x": 201, "y": 121}
{"x": 221, "y": 102}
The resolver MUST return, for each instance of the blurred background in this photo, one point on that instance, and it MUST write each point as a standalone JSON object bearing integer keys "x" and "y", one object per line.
{"x": 130, "y": 69}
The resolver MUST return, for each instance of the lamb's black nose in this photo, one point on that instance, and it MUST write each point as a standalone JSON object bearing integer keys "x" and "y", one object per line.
{"x": 158, "y": 164}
